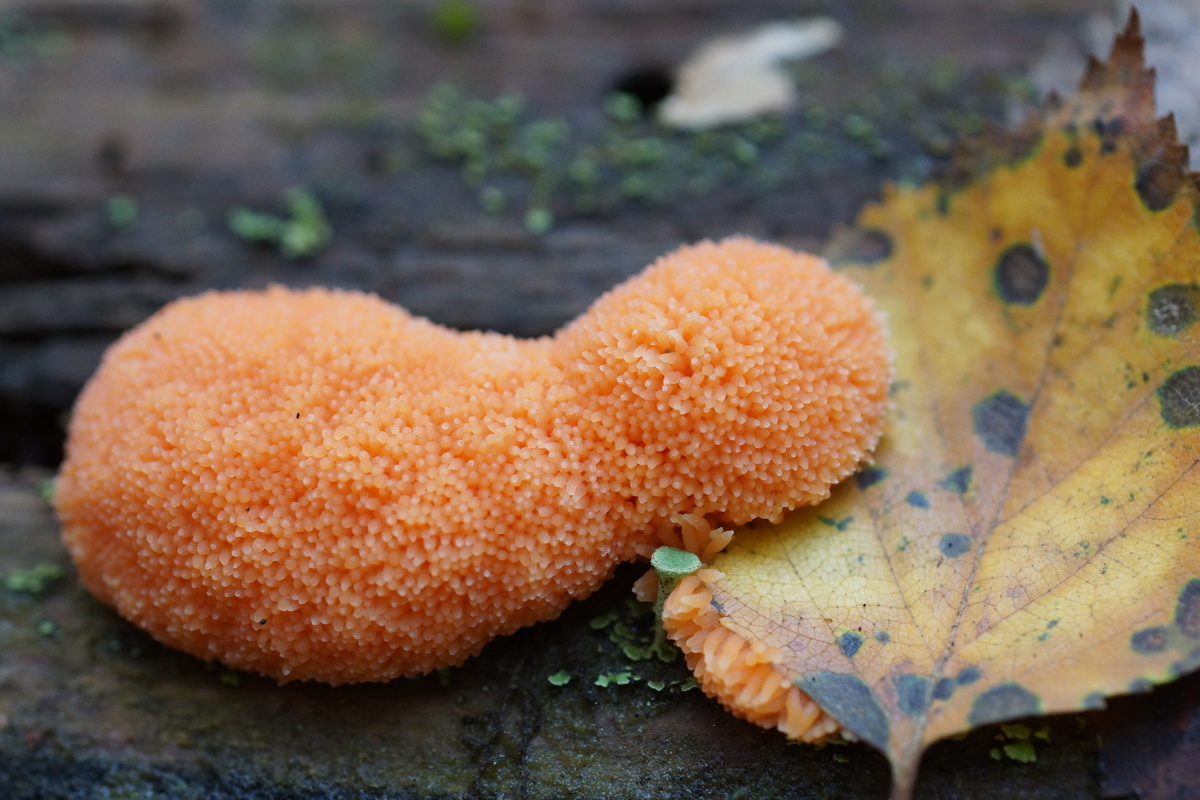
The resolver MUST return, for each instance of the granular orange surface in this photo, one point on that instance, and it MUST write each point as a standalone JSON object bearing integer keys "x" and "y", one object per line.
{"x": 317, "y": 485}
{"x": 746, "y": 677}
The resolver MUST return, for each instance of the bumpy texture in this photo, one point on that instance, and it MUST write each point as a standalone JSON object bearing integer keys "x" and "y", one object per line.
{"x": 744, "y": 676}
{"x": 317, "y": 485}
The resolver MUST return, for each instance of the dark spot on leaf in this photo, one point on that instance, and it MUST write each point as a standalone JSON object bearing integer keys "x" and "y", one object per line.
{"x": 912, "y": 693}
{"x": 1157, "y": 183}
{"x": 1179, "y": 397}
{"x": 1149, "y": 641}
{"x": 942, "y": 204}
{"x": 1073, "y": 157}
{"x": 958, "y": 481}
{"x": 882, "y": 637}
{"x": 1005, "y": 701}
{"x": 1171, "y": 309}
{"x": 869, "y": 476}
{"x": 1186, "y": 665}
{"x": 850, "y": 642}
{"x": 954, "y": 545}
{"x": 840, "y": 524}
{"x": 1021, "y": 275}
{"x": 1109, "y": 131}
{"x": 917, "y": 499}
{"x": 1000, "y": 422}
{"x": 1187, "y": 610}
{"x": 967, "y": 676}
{"x": 1093, "y": 701}
{"x": 1139, "y": 686}
{"x": 851, "y": 702}
{"x": 943, "y": 689}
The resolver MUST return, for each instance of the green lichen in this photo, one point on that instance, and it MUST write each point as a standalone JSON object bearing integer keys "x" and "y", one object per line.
{"x": 47, "y": 490}
{"x": 26, "y": 43}
{"x": 121, "y": 211}
{"x": 35, "y": 580}
{"x": 1021, "y": 751}
{"x": 305, "y": 50}
{"x": 1016, "y": 742}
{"x": 615, "y": 679}
{"x": 634, "y": 632}
{"x": 492, "y": 199}
{"x": 538, "y": 221}
{"x": 303, "y": 232}
{"x": 596, "y": 164}
{"x": 604, "y": 620}
{"x": 456, "y": 21}
{"x": 560, "y": 678}
{"x": 622, "y": 108}
{"x": 1015, "y": 731}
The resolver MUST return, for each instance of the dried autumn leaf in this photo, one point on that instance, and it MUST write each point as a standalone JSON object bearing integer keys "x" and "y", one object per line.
{"x": 1028, "y": 540}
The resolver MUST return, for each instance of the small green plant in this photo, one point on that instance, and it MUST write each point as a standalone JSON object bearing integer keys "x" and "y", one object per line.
{"x": 1017, "y": 742}
{"x": 35, "y": 579}
{"x": 544, "y": 169}
{"x": 121, "y": 210}
{"x": 615, "y": 679}
{"x": 25, "y": 42}
{"x": 456, "y": 20}
{"x": 538, "y": 221}
{"x": 304, "y": 232}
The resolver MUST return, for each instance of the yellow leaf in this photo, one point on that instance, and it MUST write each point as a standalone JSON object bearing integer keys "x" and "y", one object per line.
{"x": 1028, "y": 540}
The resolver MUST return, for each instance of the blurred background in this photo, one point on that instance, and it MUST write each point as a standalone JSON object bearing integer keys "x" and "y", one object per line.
{"x": 490, "y": 164}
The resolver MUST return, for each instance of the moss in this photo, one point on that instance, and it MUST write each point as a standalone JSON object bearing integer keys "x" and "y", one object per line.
{"x": 121, "y": 211}
{"x": 34, "y": 580}
{"x": 492, "y": 199}
{"x": 304, "y": 50}
{"x": 26, "y": 43}
{"x": 1016, "y": 742}
{"x": 538, "y": 221}
{"x": 596, "y": 165}
{"x": 46, "y": 490}
{"x": 622, "y": 678}
{"x": 456, "y": 21}
{"x": 1021, "y": 751}
{"x": 304, "y": 232}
